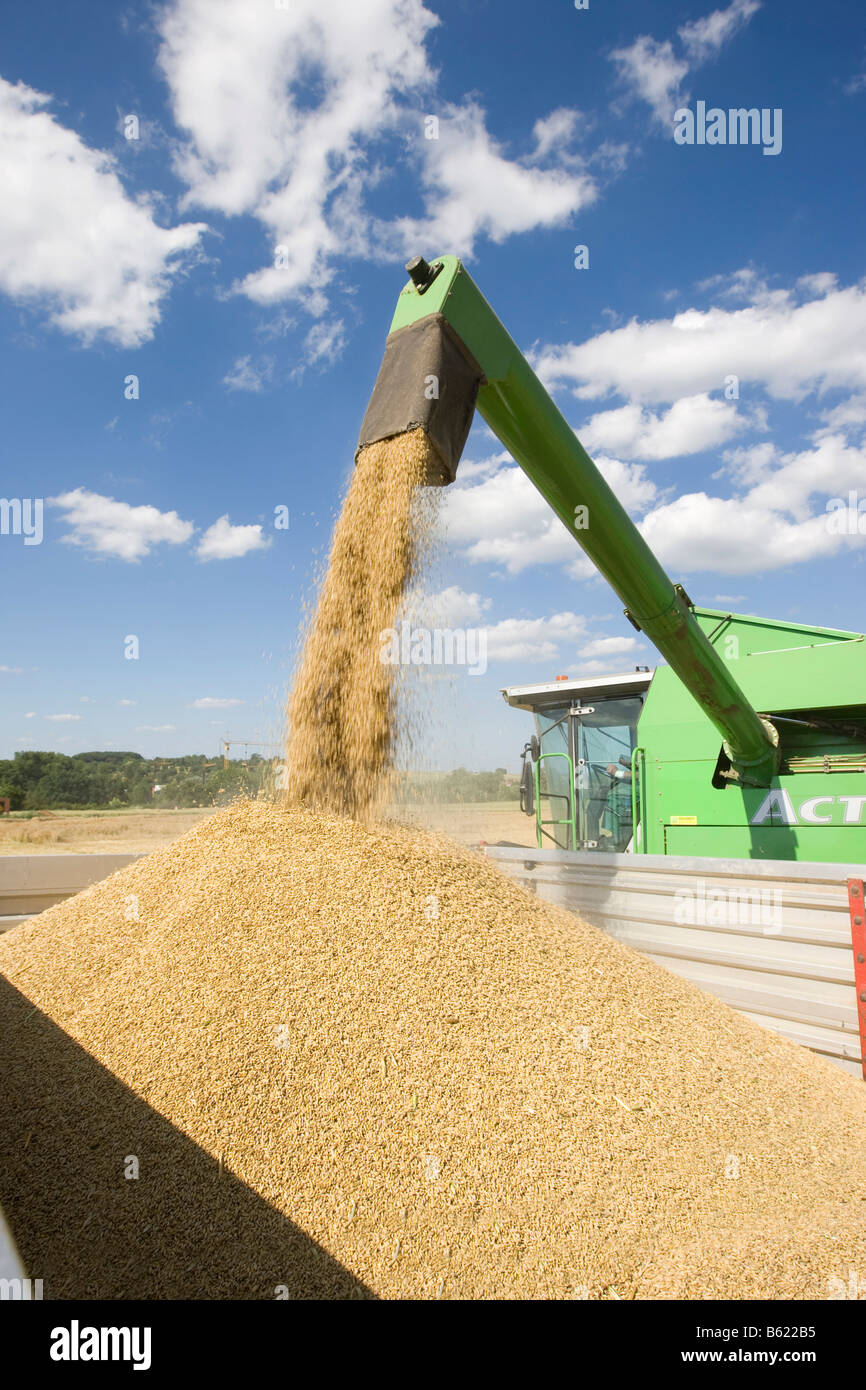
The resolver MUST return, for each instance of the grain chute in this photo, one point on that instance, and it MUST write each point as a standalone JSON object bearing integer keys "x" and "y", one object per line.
{"x": 749, "y": 742}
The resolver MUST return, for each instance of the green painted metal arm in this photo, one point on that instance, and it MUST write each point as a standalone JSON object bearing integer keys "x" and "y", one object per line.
{"x": 518, "y": 409}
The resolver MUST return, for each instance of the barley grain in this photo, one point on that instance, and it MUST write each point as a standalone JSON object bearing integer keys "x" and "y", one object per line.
{"x": 559, "y": 1168}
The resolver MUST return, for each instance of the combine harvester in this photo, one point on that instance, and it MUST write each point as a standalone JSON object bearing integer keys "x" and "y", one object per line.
{"x": 711, "y": 813}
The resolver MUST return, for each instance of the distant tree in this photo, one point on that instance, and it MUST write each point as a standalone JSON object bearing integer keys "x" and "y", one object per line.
{"x": 107, "y": 756}
{"x": 141, "y": 794}
{"x": 36, "y": 780}
{"x": 14, "y": 793}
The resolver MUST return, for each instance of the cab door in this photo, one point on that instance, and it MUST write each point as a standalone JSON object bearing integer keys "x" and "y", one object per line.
{"x": 604, "y": 736}
{"x": 555, "y": 767}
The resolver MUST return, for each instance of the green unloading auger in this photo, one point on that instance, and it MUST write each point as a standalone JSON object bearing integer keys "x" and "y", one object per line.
{"x": 446, "y": 354}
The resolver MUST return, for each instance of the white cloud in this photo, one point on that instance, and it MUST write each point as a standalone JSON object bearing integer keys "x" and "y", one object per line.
{"x": 855, "y": 84}
{"x": 732, "y": 536}
{"x": 788, "y": 482}
{"x": 324, "y": 342}
{"x": 532, "y": 639}
{"x": 127, "y": 704}
{"x": 555, "y": 132}
{"x": 473, "y": 189}
{"x": 703, "y": 38}
{"x": 31, "y": 714}
{"x": 788, "y": 346}
{"x": 629, "y": 481}
{"x": 295, "y": 115}
{"x": 847, "y": 415}
{"x": 116, "y": 528}
{"x": 156, "y": 728}
{"x": 62, "y": 718}
{"x": 749, "y": 465}
{"x": 593, "y": 668}
{"x": 11, "y": 670}
{"x": 279, "y": 106}
{"x": 776, "y": 521}
{"x": 483, "y": 468}
{"x": 270, "y": 96}
{"x": 653, "y": 70}
{"x": 212, "y": 702}
{"x": 654, "y": 73}
{"x": 777, "y": 515}
{"x": 504, "y": 520}
{"x": 244, "y": 375}
{"x": 71, "y": 239}
{"x": 451, "y": 607}
{"x": 817, "y": 285}
{"x": 691, "y": 425}
{"x": 608, "y": 646}
{"x": 510, "y": 639}
{"x": 222, "y": 541}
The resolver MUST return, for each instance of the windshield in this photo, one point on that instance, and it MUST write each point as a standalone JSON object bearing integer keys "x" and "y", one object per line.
{"x": 604, "y": 743}
{"x": 600, "y": 746}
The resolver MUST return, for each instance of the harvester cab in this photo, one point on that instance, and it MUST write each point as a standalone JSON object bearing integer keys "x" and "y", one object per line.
{"x": 750, "y": 742}
{"x": 577, "y": 781}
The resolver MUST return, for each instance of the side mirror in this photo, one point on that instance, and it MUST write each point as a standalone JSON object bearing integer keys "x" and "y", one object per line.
{"x": 534, "y": 748}
{"x": 527, "y": 786}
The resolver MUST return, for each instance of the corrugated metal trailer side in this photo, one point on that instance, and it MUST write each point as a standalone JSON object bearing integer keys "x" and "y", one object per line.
{"x": 772, "y": 938}
{"x": 29, "y": 883}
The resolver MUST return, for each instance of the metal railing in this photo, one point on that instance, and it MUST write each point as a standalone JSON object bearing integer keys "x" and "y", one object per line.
{"x": 29, "y": 883}
{"x": 772, "y": 938}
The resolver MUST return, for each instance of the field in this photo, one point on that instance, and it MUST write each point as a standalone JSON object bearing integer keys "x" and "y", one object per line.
{"x": 131, "y": 832}
{"x": 470, "y": 822}
{"x": 95, "y": 832}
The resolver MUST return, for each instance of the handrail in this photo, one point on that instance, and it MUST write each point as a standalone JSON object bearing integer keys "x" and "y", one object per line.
{"x": 638, "y": 802}
{"x": 569, "y": 820}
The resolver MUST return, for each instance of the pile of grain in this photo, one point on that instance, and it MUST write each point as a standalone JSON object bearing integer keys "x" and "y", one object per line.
{"x": 354, "y": 1059}
{"x": 342, "y": 708}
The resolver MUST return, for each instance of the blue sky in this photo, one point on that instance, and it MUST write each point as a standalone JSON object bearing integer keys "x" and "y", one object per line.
{"x": 303, "y": 127}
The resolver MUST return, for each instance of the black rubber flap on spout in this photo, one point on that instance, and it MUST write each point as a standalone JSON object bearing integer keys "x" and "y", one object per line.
{"x": 428, "y": 380}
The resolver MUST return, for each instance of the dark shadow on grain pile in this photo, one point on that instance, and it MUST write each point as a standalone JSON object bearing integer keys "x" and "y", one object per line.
{"x": 179, "y": 1231}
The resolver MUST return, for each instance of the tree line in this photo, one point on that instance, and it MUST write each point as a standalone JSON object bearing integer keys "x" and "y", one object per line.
{"x": 459, "y": 785}
{"x": 36, "y": 781}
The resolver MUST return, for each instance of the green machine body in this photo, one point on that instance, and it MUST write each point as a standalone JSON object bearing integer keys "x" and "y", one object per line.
{"x": 749, "y": 743}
